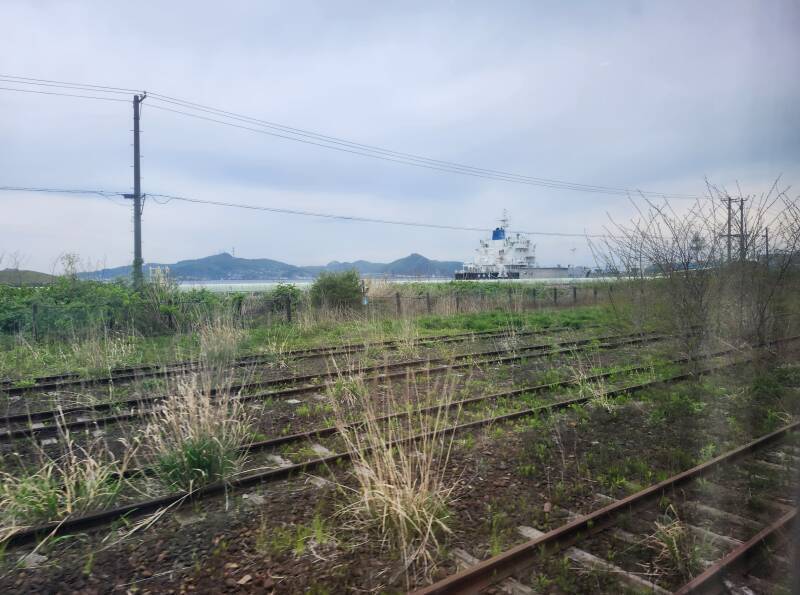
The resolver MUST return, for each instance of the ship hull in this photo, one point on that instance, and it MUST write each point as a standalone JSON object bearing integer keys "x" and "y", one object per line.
{"x": 530, "y": 273}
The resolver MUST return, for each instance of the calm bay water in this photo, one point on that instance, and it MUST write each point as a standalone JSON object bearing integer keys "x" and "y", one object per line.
{"x": 246, "y": 286}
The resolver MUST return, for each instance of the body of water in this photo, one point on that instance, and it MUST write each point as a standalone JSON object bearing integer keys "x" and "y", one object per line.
{"x": 247, "y": 286}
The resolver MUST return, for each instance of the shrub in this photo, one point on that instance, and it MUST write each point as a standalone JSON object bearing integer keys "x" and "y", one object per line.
{"x": 338, "y": 290}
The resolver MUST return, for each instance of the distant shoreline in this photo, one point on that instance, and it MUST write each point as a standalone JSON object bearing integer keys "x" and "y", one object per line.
{"x": 256, "y": 285}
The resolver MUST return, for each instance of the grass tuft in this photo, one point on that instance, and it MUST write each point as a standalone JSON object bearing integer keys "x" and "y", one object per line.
{"x": 401, "y": 494}
{"x": 195, "y": 437}
{"x": 80, "y": 479}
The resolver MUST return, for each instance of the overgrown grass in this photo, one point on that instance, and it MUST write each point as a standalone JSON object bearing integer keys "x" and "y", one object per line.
{"x": 197, "y": 434}
{"x": 401, "y": 495}
{"x": 100, "y": 349}
{"x": 677, "y": 554}
{"x": 80, "y": 479}
{"x": 195, "y": 437}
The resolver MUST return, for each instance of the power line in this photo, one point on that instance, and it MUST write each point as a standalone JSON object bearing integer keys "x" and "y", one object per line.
{"x": 410, "y": 156}
{"x": 105, "y": 193}
{"x": 58, "y": 86}
{"x": 343, "y": 145}
{"x": 35, "y": 81}
{"x": 63, "y": 94}
{"x": 171, "y": 197}
{"x": 366, "y": 154}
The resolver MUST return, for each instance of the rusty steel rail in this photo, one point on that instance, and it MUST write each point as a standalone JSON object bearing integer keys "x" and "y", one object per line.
{"x": 739, "y": 560}
{"x": 523, "y": 390}
{"x": 104, "y": 517}
{"x": 483, "y": 575}
{"x": 538, "y": 350}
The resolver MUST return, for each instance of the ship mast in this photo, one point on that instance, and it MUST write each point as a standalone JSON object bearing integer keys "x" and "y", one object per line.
{"x": 504, "y": 220}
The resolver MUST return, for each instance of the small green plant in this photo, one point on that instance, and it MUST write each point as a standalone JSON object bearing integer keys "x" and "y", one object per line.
{"x": 497, "y": 531}
{"x": 709, "y": 451}
{"x": 291, "y": 538}
{"x": 677, "y": 553}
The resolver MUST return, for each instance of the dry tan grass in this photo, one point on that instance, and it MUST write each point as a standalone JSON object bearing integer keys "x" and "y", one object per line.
{"x": 79, "y": 479}
{"x": 401, "y": 493}
{"x": 195, "y": 436}
{"x": 219, "y": 338}
{"x": 677, "y": 552}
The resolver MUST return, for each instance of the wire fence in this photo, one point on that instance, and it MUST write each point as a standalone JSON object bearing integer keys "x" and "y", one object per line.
{"x": 41, "y": 321}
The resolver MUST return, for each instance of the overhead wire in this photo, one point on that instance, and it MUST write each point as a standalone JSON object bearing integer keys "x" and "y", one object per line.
{"x": 170, "y": 197}
{"x": 34, "y": 81}
{"x": 343, "y": 145}
{"x": 62, "y": 190}
{"x": 63, "y": 94}
{"x": 409, "y": 156}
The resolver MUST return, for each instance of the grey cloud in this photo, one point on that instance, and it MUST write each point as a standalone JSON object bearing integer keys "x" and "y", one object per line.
{"x": 631, "y": 94}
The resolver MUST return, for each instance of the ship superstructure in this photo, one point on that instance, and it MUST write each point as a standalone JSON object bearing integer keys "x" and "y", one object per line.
{"x": 511, "y": 256}
{"x": 504, "y": 256}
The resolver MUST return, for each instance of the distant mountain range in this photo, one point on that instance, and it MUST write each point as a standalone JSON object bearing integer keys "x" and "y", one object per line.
{"x": 21, "y": 278}
{"x": 225, "y": 267}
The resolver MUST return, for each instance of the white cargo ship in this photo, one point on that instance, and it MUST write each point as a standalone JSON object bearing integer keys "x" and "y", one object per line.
{"x": 511, "y": 256}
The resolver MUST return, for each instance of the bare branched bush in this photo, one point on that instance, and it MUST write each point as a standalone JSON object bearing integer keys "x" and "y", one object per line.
{"x": 401, "y": 493}
{"x": 703, "y": 271}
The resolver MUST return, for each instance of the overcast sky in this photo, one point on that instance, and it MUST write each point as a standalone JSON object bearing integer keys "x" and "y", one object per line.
{"x": 647, "y": 95}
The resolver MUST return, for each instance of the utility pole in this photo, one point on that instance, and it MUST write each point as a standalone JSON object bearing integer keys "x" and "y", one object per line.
{"x": 729, "y": 228}
{"x": 138, "y": 277}
{"x": 742, "y": 240}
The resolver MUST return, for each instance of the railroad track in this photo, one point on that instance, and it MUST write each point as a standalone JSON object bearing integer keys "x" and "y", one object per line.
{"x": 31, "y": 424}
{"x": 130, "y": 373}
{"x": 105, "y": 517}
{"x": 584, "y": 536}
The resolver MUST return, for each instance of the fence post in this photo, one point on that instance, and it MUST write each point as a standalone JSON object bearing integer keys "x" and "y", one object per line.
{"x": 34, "y": 316}
{"x": 428, "y": 301}
{"x": 574, "y": 294}
{"x": 510, "y": 299}
{"x": 288, "y": 308}
{"x": 458, "y": 303}
{"x": 397, "y": 300}
{"x": 555, "y": 296}
{"x": 534, "y": 298}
